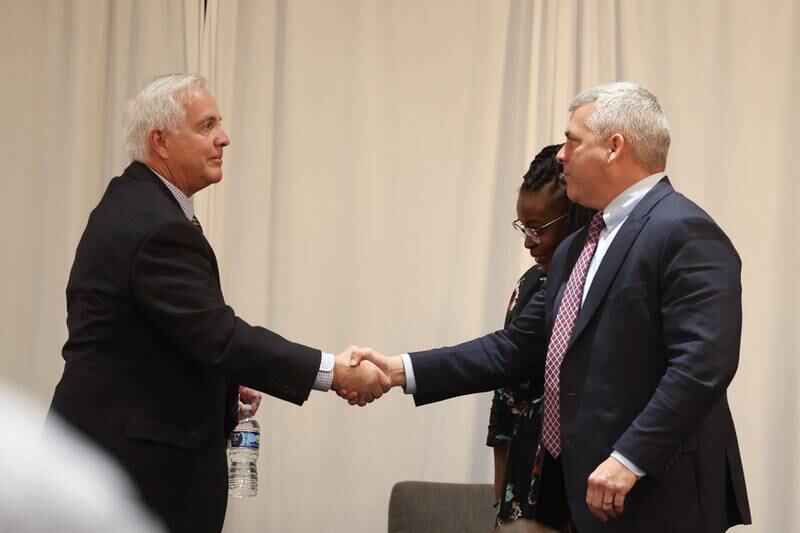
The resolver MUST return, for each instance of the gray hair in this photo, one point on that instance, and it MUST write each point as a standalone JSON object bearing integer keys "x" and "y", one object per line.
{"x": 632, "y": 111}
{"x": 161, "y": 104}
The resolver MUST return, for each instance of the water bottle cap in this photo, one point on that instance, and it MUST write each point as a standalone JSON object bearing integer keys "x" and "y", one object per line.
{"x": 245, "y": 409}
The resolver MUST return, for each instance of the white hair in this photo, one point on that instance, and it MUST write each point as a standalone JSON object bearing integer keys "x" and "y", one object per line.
{"x": 632, "y": 111}
{"x": 161, "y": 104}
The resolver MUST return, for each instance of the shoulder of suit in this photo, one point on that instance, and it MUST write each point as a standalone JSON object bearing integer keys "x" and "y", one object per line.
{"x": 675, "y": 207}
{"x": 141, "y": 198}
{"x": 131, "y": 208}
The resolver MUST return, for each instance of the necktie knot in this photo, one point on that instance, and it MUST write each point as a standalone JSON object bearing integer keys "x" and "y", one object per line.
{"x": 597, "y": 223}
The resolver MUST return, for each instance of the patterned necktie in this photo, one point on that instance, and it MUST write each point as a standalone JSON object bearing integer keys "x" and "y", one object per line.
{"x": 559, "y": 339}
{"x": 196, "y": 224}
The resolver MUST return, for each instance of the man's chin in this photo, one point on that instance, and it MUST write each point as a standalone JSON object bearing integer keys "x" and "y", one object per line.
{"x": 571, "y": 192}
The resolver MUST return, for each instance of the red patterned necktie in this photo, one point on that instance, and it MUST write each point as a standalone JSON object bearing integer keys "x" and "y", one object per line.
{"x": 559, "y": 339}
{"x": 196, "y": 224}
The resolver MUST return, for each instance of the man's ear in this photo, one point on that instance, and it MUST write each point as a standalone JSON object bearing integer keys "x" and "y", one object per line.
{"x": 158, "y": 143}
{"x": 617, "y": 146}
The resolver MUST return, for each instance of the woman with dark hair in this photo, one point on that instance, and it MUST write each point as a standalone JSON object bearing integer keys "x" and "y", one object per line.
{"x": 545, "y": 216}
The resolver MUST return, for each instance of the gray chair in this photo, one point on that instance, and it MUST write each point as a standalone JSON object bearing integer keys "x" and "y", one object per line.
{"x": 425, "y": 507}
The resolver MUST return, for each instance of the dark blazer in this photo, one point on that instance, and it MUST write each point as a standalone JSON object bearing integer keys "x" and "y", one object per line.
{"x": 655, "y": 345}
{"x": 154, "y": 354}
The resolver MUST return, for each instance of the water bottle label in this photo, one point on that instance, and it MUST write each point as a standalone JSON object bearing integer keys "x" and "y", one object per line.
{"x": 245, "y": 439}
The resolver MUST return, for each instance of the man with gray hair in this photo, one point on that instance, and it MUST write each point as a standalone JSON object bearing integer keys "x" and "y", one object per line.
{"x": 637, "y": 333}
{"x": 155, "y": 357}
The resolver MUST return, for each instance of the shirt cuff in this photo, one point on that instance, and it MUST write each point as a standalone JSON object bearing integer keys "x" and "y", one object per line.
{"x": 325, "y": 375}
{"x": 628, "y": 464}
{"x": 411, "y": 383}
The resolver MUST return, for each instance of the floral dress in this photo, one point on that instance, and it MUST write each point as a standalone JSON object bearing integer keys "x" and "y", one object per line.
{"x": 516, "y": 419}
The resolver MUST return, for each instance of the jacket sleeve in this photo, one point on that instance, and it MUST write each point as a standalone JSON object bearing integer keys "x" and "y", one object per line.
{"x": 701, "y": 312}
{"x": 175, "y": 286}
{"x": 501, "y": 358}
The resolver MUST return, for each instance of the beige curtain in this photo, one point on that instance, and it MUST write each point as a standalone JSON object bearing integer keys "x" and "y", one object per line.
{"x": 68, "y": 69}
{"x": 368, "y": 197}
{"x": 369, "y": 188}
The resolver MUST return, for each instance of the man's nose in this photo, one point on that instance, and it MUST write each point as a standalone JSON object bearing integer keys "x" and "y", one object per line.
{"x": 223, "y": 139}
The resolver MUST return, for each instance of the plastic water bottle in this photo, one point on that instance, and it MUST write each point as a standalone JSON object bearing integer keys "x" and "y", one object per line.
{"x": 245, "y": 440}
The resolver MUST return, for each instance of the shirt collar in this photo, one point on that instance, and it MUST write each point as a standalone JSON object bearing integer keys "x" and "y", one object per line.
{"x": 186, "y": 202}
{"x": 620, "y": 207}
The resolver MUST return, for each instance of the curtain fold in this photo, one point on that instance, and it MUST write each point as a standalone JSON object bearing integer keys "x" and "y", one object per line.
{"x": 69, "y": 68}
{"x": 369, "y": 189}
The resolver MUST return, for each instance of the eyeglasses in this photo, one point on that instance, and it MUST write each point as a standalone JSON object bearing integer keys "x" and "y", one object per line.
{"x": 535, "y": 234}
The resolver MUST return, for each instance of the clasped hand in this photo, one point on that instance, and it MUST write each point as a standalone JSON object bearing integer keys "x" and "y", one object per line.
{"x": 366, "y": 375}
{"x": 363, "y": 381}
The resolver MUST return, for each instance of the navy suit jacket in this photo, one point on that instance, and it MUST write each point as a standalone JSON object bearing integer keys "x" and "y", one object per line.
{"x": 154, "y": 353}
{"x": 655, "y": 345}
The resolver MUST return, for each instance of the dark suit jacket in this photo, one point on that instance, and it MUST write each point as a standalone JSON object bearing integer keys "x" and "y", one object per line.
{"x": 154, "y": 353}
{"x": 655, "y": 345}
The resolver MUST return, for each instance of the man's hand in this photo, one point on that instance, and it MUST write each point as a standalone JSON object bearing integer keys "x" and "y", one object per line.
{"x": 363, "y": 383}
{"x": 391, "y": 366}
{"x": 250, "y": 396}
{"x": 608, "y": 486}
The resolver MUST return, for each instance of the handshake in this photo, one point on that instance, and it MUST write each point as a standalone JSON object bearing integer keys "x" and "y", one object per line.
{"x": 361, "y": 375}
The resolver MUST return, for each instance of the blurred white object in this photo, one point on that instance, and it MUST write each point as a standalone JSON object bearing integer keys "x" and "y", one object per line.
{"x": 59, "y": 481}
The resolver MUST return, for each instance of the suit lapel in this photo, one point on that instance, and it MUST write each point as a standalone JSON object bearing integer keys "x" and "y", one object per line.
{"x": 141, "y": 172}
{"x": 605, "y": 274}
{"x": 615, "y": 256}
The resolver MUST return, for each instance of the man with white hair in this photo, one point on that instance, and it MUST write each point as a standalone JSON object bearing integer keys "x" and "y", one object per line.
{"x": 638, "y": 336}
{"x": 155, "y": 357}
